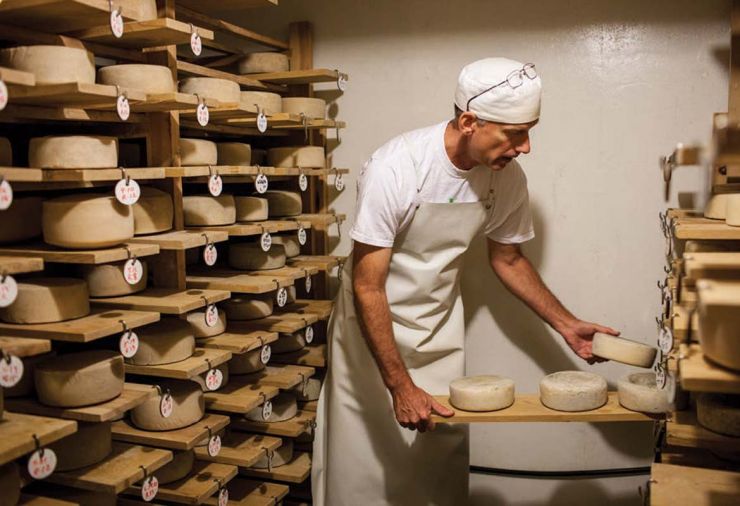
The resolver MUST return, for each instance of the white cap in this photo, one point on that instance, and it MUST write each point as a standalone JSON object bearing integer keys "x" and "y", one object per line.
{"x": 502, "y": 104}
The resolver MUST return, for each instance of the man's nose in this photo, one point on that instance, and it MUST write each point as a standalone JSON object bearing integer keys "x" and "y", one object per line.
{"x": 523, "y": 147}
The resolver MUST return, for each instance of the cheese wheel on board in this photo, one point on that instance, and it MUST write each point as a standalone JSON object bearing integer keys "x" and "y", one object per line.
{"x": 284, "y": 407}
{"x": 309, "y": 392}
{"x": 107, "y": 280}
{"x": 179, "y": 467}
{"x": 640, "y": 392}
{"x": 259, "y": 156}
{"x": 167, "y": 341}
{"x": 201, "y": 379}
{"x": 188, "y": 407}
{"x": 482, "y": 393}
{"x": 719, "y": 413}
{"x": 733, "y": 210}
{"x": 246, "y": 363}
{"x": 6, "y": 152}
{"x": 573, "y": 391}
{"x": 197, "y": 321}
{"x": 86, "y": 221}
{"x": 280, "y": 457}
{"x": 194, "y": 152}
{"x": 623, "y": 350}
{"x": 73, "y": 152}
{"x": 79, "y": 379}
{"x": 313, "y": 108}
{"x": 263, "y": 101}
{"x": 206, "y": 210}
{"x": 234, "y": 153}
{"x": 251, "y": 209}
{"x": 91, "y": 444}
{"x": 51, "y": 64}
{"x": 10, "y": 484}
{"x": 247, "y": 308}
{"x": 222, "y": 90}
{"x": 22, "y": 220}
{"x": 249, "y": 256}
{"x": 297, "y": 156}
{"x": 48, "y": 300}
{"x": 266, "y": 61}
{"x": 719, "y": 321}
{"x": 288, "y": 343}
{"x": 716, "y": 207}
{"x": 153, "y": 212}
{"x": 138, "y": 76}
{"x": 25, "y": 386}
{"x": 290, "y": 243}
{"x": 281, "y": 203}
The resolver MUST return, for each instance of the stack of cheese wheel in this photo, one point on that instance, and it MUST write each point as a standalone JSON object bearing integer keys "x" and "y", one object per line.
{"x": 719, "y": 413}
{"x": 168, "y": 341}
{"x": 288, "y": 343}
{"x": 201, "y": 379}
{"x": 180, "y": 467}
{"x": 719, "y": 320}
{"x": 261, "y": 62}
{"x": 6, "y": 152}
{"x": 154, "y": 212}
{"x": 22, "y": 220}
{"x": 623, "y": 350}
{"x": 91, "y": 444}
{"x": 716, "y": 207}
{"x": 312, "y": 108}
{"x": 206, "y": 210}
{"x": 48, "y": 300}
{"x": 640, "y": 392}
{"x": 482, "y": 393}
{"x": 79, "y": 379}
{"x": 262, "y": 101}
{"x": 281, "y": 203}
{"x": 290, "y": 243}
{"x": 297, "y": 156}
{"x": 234, "y": 153}
{"x": 107, "y": 280}
{"x": 251, "y": 307}
{"x": 280, "y": 457}
{"x": 307, "y": 391}
{"x": 86, "y": 221}
{"x": 150, "y": 79}
{"x": 188, "y": 407}
{"x": 197, "y": 321}
{"x": 73, "y": 152}
{"x": 249, "y": 256}
{"x": 195, "y": 152}
{"x": 222, "y": 90}
{"x": 284, "y": 407}
{"x": 573, "y": 391}
{"x": 259, "y": 156}
{"x": 51, "y": 64}
{"x": 25, "y": 387}
{"x": 733, "y": 210}
{"x": 251, "y": 208}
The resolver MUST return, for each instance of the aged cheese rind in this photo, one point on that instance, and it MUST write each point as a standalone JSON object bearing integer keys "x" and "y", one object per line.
{"x": 222, "y": 90}
{"x": 51, "y": 64}
{"x": 297, "y": 156}
{"x": 91, "y": 444}
{"x": 280, "y": 457}
{"x": 310, "y": 392}
{"x": 188, "y": 407}
{"x": 107, "y": 280}
{"x": 251, "y": 209}
{"x": 234, "y": 153}
{"x": 313, "y": 108}
{"x": 246, "y": 363}
{"x": 719, "y": 320}
{"x": 640, "y": 392}
{"x": 180, "y": 466}
{"x": 154, "y": 212}
{"x": 6, "y": 152}
{"x": 22, "y": 220}
{"x": 266, "y": 61}
{"x": 138, "y": 76}
{"x": 623, "y": 350}
{"x": 719, "y": 413}
{"x": 290, "y": 243}
{"x": 288, "y": 343}
{"x": 573, "y": 391}
{"x": 197, "y": 321}
{"x": 73, "y": 152}
{"x": 716, "y": 207}
{"x": 167, "y": 341}
{"x": 206, "y": 210}
{"x": 47, "y": 300}
{"x": 733, "y": 210}
{"x": 25, "y": 386}
{"x": 281, "y": 203}
{"x": 248, "y": 256}
{"x": 482, "y": 393}
{"x": 264, "y": 101}
{"x": 195, "y": 152}
{"x": 247, "y": 308}
{"x": 284, "y": 407}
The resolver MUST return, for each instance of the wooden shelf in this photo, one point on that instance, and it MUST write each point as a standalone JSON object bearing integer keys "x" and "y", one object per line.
{"x": 191, "y": 69}
{"x": 198, "y": 486}
{"x": 13, "y": 78}
{"x": 143, "y": 34}
{"x": 256, "y": 227}
{"x": 285, "y": 121}
{"x": 724, "y": 265}
{"x": 300, "y": 76}
{"x": 236, "y": 281}
{"x": 322, "y": 221}
{"x": 323, "y": 263}
{"x": 284, "y": 377}
{"x": 37, "y": 500}
{"x": 164, "y": 300}
{"x": 703, "y": 228}
{"x": 24, "y": 346}
{"x": 310, "y": 355}
{"x": 53, "y": 254}
{"x": 35, "y": 175}
{"x": 309, "y": 406}
{"x": 699, "y": 375}
{"x": 56, "y": 16}
{"x": 276, "y": 323}
{"x": 294, "y": 273}
{"x": 684, "y": 430}
{"x": 239, "y": 396}
{"x": 299, "y": 424}
{"x": 18, "y": 433}
{"x": 76, "y": 95}
{"x": 172, "y": 101}
{"x": 230, "y": 4}
{"x": 673, "y": 485}
{"x": 319, "y": 308}
{"x": 180, "y": 439}
{"x": 294, "y": 472}
{"x": 202, "y": 360}
{"x": 32, "y": 114}
{"x": 180, "y": 239}
{"x": 243, "y": 492}
{"x": 239, "y": 449}
{"x": 238, "y": 343}
{"x": 10, "y": 264}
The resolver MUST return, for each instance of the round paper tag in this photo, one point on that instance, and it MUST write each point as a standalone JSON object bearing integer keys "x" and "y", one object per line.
{"x": 214, "y": 378}
{"x": 122, "y": 107}
{"x": 309, "y": 334}
{"x": 265, "y": 354}
{"x": 223, "y": 497}
{"x": 262, "y": 122}
{"x": 165, "y": 405}
{"x": 214, "y": 445}
{"x": 660, "y": 376}
{"x": 128, "y": 191}
{"x": 302, "y": 236}
{"x": 6, "y": 195}
{"x": 282, "y": 297}
{"x": 339, "y": 182}
{"x": 210, "y": 254}
{"x": 8, "y": 291}
{"x": 196, "y": 44}
{"x": 303, "y": 182}
{"x": 215, "y": 185}
{"x": 342, "y": 82}
{"x": 133, "y": 271}
{"x": 266, "y": 241}
{"x": 42, "y": 463}
{"x": 3, "y": 95}
{"x": 267, "y": 410}
{"x": 116, "y": 23}
{"x": 309, "y": 283}
{"x": 211, "y": 315}
{"x": 665, "y": 340}
{"x": 11, "y": 371}
{"x": 128, "y": 344}
{"x": 149, "y": 488}
{"x": 202, "y": 114}
{"x": 261, "y": 183}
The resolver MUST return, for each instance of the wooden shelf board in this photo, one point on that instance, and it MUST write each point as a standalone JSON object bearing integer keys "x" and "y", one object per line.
{"x": 78, "y": 95}
{"x": 179, "y": 439}
{"x": 684, "y": 430}
{"x": 239, "y": 396}
{"x": 230, "y": 4}
{"x": 143, "y": 34}
{"x": 171, "y": 101}
{"x": 275, "y": 323}
{"x": 243, "y": 492}
{"x": 121, "y": 469}
{"x": 315, "y": 124}
{"x": 15, "y": 77}
{"x": 18, "y": 430}
{"x": 696, "y": 374}
{"x": 294, "y": 472}
{"x": 703, "y": 228}
{"x": 320, "y": 308}
{"x": 180, "y": 239}
{"x": 231, "y": 173}
{"x": 322, "y": 262}
{"x": 55, "y": 16}
{"x": 100, "y": 323}
{"x": 708, "y": 265}
{"x": 235, "y": 281}
{"x": 222, "y": 114}
{"x": 238, "y": 343}
{"x": 284, "y": 377}
{"x": 299, "y": 76}
{"x": 14, "y": 264}
{"x": 284, "y": 121}
{"x": 322, "y": 221}
{"x": 67, "y": 256}
{"x": 193, "y": 128}
{"x": 195, "y": 488}
{"x": 35, "y": 175}
{"x": 239, "y": 449}
{"x": 24, "y": 346}
{"x": 38, "y": 500}
{"x": 294, "y": 273}
{"x": 133, "y": 395}
{"x": 294, "y": 427}
{"x": 311, "y": 355}
{"x": 191, "y": 69}
{"x": 202, "y": 360}
{"x": 309, "y": 406}
{"x": 164, "y": 300}
{"x": 255, "y": 227}
{"x": 674, "y": 485}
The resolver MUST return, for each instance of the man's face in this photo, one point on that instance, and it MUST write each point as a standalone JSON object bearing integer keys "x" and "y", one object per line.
{"x": 496, "y": 144}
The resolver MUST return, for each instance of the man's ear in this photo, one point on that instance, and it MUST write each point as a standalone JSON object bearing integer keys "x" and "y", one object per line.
{"x": 467, "y": 123}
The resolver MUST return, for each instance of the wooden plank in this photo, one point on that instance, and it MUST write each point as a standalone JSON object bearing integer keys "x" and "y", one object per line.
{"x": 172, "y": 101}
{"x": 230, "y": 28}
{"x": 254, "y": 228}
{"x": 321, "y": 308}
{"x": 703, "y": 228}
{"x": 181, "y": 239}
{"x": 294, "y": 472}
{"x": 10, "y": 264}
{"x": 303, "y": 422}
{"x": 239, "y": 396}
{"x": 322, "y": 221}
{"x": 243, "y": 492}
{"x": 300, "y": 76}
{"x": 311, "y": 355}
{"x": 672, "y": 485}
{"x": 294, "y": 273}
{"x": 275, "y": 323}
{"x": 203, "y": 482}
{"x": 94, "y": 256}
{"x": 697, "y": 374}
{"x": 720, "y": 265}
{"x": 684, "y": 430}
{"x": 322, "y": 262}
{"x": 198, "y": 70}
{"x": 309, "y": 406}
{"x": 284, "y": 377}
{"x": 56, "y": 16}
{"x": 229, "y": 5}
{"x": 144, "y": 34}
{"x": 17, "y": 78}
{"x": 228, "y": 171}
{"x": 180, "y": 439}
{"x": 80, "y": 95}
{"x": 203, "y": 359}
{"x": 236, "y": 281}
{"x": 35, "y": 175}
{"x": 239, "y": 449}
{"x": 17, "y": 113}
{"x": 681, "y": 328}
{"x": 24, "y": 346}
{"x": 37, "y": 500}
{"x": 17, "y": 433}
{"x": 164, "y": 300}
{"x": 239, "y": 342}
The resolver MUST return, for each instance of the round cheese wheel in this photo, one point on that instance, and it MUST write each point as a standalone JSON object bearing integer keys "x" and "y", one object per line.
{"x": 247, "y": 308}
{"x": 268, "y": 61}
{"x": 313, "y": 108}
{"x": 264, "y": 101}
{"x": 718, "y": 323}
{"x": 206, "y": 210}
{"x": 222, "y": 90}
{"x": 201, "y": 379}
{"x": 48, "y": 300}
{"x": 290, "y": 243}
{"x": 573, "y": 391}
{"x": 10, "y": 484}
{"x": 73, "y": 152}
{"x": 188, "y": 407}
{"x": 140, "y": 10}
{"x": 51, "y": 64}
{"x": 482, "y": 393}
{"x": 25, "y": 386}
{"x": 623, "y": 350}
{"x": 259, "y": 156}
{"x": 79, "y": 379}
{"x": 106, "y": 280}
{"x": 309, "y": 392}
{"x": 640, "y": 392}
{"x": 716, "y": 207}
{"x": 284, "y": 407}
{"x": 280, "y": 457}
{"x": 234, "y": 153}
{"x": 246, "y": 363}
{"x": 197, "y": 321}
{"x": 167, "y": 341}
{"x": 288, "y": 343}
{"x": 153, "y": 212}
{"x": 733, "y": 210}
{"x": 194, "y": 152}
{"x": 6, "y": 152}
{"x": 282, "y": 203}
{"x": 251, "y": 209}
{"x": 177, "y": 469}
{"x": 91, "y": 444}
{"x": 719, "y": 413}
{"x": 249, "y": 256}
{"x": 22, "y": 220}
{"x": 297, "y": 156}
{"x": 138, "y": 76}
{"x": 86, "y": 221}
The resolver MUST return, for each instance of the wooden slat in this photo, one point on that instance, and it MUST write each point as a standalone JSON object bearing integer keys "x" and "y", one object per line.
{"x": 247, "y": 82}
{"x": 57, "y": 16}
{"x": 322, "y": 221}
{"x": 180, "y": 439}
{"x": 294, "y": 273}
{"x": 239, "y": 396}
{"x": 300, "y": 424}
{"x": 24, "y": 346}
{"x": 66, "y": 256}
{"x": 17, "y": 433}
{"x": 230, "y": 28}
{"x": 202, "y": 360}
{"x": 311, "y": 355}
{"x": 322, "y": 262}
{"x": 683, "y": 429}
{"x": 672, "y": 485}
{"x": 239, "y": 449}
{"x": 243, "y": 492}
{"x": 276, "y": 323}
{"x": 299, "y": 76}
{"x": 198, "y": 486}
{"x": 35, "y": 175}
{"x": 229, "y": 5}
{"x": 16, "y": 77}
{"x": 10, "y": 264}
{"x": 284, "y": 377}
{"x": 255, "y": 228}
{"x": 81, "y": 95}
{"x": 236, "y": 281}
{"x": 37, "y": 500}
{"x": 18, "y": 113}
{"x": 699, "y": 375}
{"x": 180, "y": 239}
{"x": 164, "y": 300}
{"x": 320, "y": 308}
{"x": 230, "y": 171}
{"x": 703, "y": 228}
{"x": 237, "y": 342}
{"x": 294, "y": 472}
{"x": 712, "y": 265}
{"x": 173, "y": 101}
{"x": 143, "y": 34}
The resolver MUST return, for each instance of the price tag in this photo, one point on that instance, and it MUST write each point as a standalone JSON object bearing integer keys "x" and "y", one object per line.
{"x": 42, "y": 463}
{"x": 215, "y": 185}
{"x": 309, "y": 282}
{"x": 196, "y": 44}
{"x": 123, "y": 108}
{"x": 210, "y": 254}
{"x": 133, "y": 271}
{"x": 266, "y": 241}
{"x": 339, "y": 182}
{"x": 282, "y": 297}
{"x": 11, "y": 371}
{"x": 201, "y": 112}
{"x": 8, "y": 291}
{"x": 128, "y": 191}
{"x": 660, "y": 376}
{"x": 262, "y": 122}
{"x": 3, "y": 95}
{"x": 309, "y": 334}
{"x": 149, "y": 488}
{"x": 265, "y": 354}
{"x": 6, "y": 195}
{"x": 303, "y": 182}
{"x": 342, "y": 82}
{"x": 128, "y": 344}
{"x": 665, "y": 340}
{"x": 302, "y": 236}
{"x": 214, "y": 379}
{"x": 261, "y": 183}
{"x": 223, "y": 497}
{"x": 214, "y": 445}
{"x": 166, "y": 405}
{"x": 266, "y": 410}
{"x": 116, "y": 23}
{"x": 211, "y": 315}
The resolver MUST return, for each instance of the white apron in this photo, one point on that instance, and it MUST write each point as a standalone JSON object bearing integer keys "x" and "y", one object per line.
{"x": 362, "y": 456}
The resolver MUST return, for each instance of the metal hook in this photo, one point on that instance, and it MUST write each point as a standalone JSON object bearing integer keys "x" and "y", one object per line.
{"x": 304, "y": 120}
{"x": 124, "y": 175}
{"x": 125, "y": 327}
{"x": 146, "y": 473}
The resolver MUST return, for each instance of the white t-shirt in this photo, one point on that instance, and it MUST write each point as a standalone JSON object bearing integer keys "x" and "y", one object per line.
{"x": 387, "y": 187}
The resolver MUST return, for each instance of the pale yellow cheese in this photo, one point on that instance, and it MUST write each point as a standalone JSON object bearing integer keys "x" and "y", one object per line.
{"x": 283, "y": 203}
{"x": 313, "y": 108}
{"x": 284, "y": 407}
{"x": 297, "y": 156}
{"x": 180, "y": 466}
{"x": 51, "y": 64}
{"x": 280, "y": 457}
{"x": 716, "y": 207}
{"x": 222, "y": 90}
{"x": 138, "y": 76}
{"x": 188, "y": 407}
{"x": 733, "y": 210}
{"x": 719, "y": 413}
{"x": 290, "y": 243}
{"x": 153, "y": 213}
{"x": 573, "y": 391}
{"x": 234, "y": 153}
{"x": 264, "y": 101}
{"x": 197, "y": 321}
{"x": 47, "y": 300}
{"x": 10, "y": 484}
{"x": 250, "y": 256}
{"x": 22, "y": 220}
{"x": 195, "y": 152}
{"x": 106, "y": 280}
{"x": 719, "y": 321}
{"x": 73, "y": 152}
{"x": 267, "y": 61}
{"x": 288, "y": 343}
{"x": 246, "y": 363}
{"x": 482, "y": 393}
{"x": 251, "y": 209}
{"x": 247, "y": 308}
{"x": 6, "y": 152}
{"x": 201, "y": 379}
{"x": 25, "y": 386}
{"x": 206, "y": 210}
{"x": 89, "y": 445}
{"x": 167, "y": 341}
{"x": 640, "y": 392}
{"x": 623, "y": 350}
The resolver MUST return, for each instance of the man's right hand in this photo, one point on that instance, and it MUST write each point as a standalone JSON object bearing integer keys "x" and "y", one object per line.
{"x": 414, "y": 408}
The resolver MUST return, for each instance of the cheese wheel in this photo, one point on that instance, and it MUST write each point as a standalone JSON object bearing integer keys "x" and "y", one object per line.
{"x": 167, "y": 341}
{"x": 138, "y": 76}
{"x": 6, "y": 152}
{"x": 79, "y": 379}
{"x": 733, "y": 210}
{"x": 247, "y": 308}
{"x": 313, "y": 108}
{"x": 195, "y": 152}
{"x": 309, "y": 392}
{"x": 280, "y": 457}
{"x": 154, "y": 212}
{"x": 25, "y": 386}
{"x": 259, "y": 156}
{"x": 288, "y": 343}
{"x": 51, "y": 64}
{"x": 246, "y": 363}
{"x": 716, "y": 207}
{"x": 140, "y": 10}
{"x": 86, "y": 221}
{"x": 234, "y": 153}
{"x": 177, "y": 469}
{"x": 73, "y": 152}
{"x": 297, "y": 156}
{"x": 48, "y": 300}
{"x": 222, "y": 90}
{"x": 188, "y": 407}
{"x": 640, "y": 392}
{"x": 10, "y": 484}
{"x": 264, "y": 101}
{"x": 719, "y": 413}
{"x": 292, "y": 294}
{"x": 623, "y": 350}
{"x": 249, "y": 256}
{"x": 201, "y": 379}
{"x": 197, "y": 321}
{"x": 573, "y": 391}
{"x": 284, "y": 407}
{"x": 482, "y": 393}
{"x": 22, "y": 220}
{"x": 251, "y": 209}
{"x": 282, "y": 203}
{"x": 719, "y": 321}
{"x": 91, "y": 444}
{"x": 267, "y": 61}
{"x": 107, "y": 280}
{"x": 206, "y": 210}
{"x": 290, "y": 243}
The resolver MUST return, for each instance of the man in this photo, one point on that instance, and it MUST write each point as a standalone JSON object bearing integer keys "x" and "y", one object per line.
{"x": 396, "y": 336}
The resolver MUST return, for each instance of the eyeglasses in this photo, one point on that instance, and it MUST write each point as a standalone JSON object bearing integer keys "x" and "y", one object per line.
{"x": 515, "y": 79}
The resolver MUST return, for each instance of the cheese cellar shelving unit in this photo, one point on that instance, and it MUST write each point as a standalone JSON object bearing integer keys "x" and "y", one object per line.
{"x": 172, "y": 411}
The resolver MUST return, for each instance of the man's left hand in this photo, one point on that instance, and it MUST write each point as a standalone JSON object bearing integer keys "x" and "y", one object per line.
{"x": 580, "y": 334}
